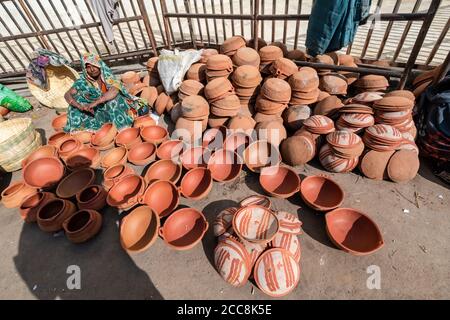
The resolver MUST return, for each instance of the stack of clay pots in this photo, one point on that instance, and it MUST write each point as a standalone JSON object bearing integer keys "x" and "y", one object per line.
{"x": 283, "y": 68}
{"x": 371, "y": 83}
{"x": 190, "y": 88}
{"x": 296, "y": 55}
{"x": 282, "y": 46}
{"x": 130, "y": 79}
{"x": 165, "y": 103}
{"x": 261, "y": 43}
{"x": 230, "y": 46}
{"x": 333, "y": 83}
{"x": 274, "y": 97}
{"x": 206, "y": 53}
{"x": 268, "y": 55}
{"x": 223, "y": 100}
{"x": 305, "y": 86}
{"x": 348, "y": 61}
{"x": 382, "y": 137}
{"x": 197, "y": 72}
{"x": 246, "y": 80}
{"x": 246, "y": 56}
{"x": 193, "y": 119}
{"x": 355, "y": 117}
{"x": 152, "y": 78}
{"x": 218, "y": 66}
{"x": 329, "y": 107}
{"x": 326, "y": 59}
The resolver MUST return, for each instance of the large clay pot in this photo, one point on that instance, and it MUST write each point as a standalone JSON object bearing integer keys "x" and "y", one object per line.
{"x": 31, "y": 205}
{"x": 92, "y": 197}
{"x": 196, "y": 183}
{"x": 163, "y": 170}
{"x": 126, "y": 192}
{"x": 15, "y": 193}
{"x": 113, "y": 157}
{"x": 143, "y": 121}
{"x": 321, "y": 193}
{"x": 128, "y": 137}
{"x": 74, "y": 183}
{"x": 142, "y": 153}
{"x": 43, "y": 172}
{"x": 280, "y": 182}
{"x": 113, "y": 174}
{"x": 195, "y": 157}
{"x": 84, "y": 158}
{"x": 82, "y": 225}
{"x": 41, "y": 152}
{"x": 261, "y": 154}
{"x": 183, "y": 229}
{"x": 155, "y": 134}
{"x": 162, "y": 197}
{"x": 51, "y": 216}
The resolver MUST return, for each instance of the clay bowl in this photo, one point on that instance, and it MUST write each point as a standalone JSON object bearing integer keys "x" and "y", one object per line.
{"x": 195, "y": 157}
{"x": 143, "y": 121}
{"x": 43, "y": 173}
{"x": 162, "y": 197}
{"x": 237, "y": 142}
{"x": 184, "y": 228}
{"x": 104, "y": 136}
{"x": 256, "y": 200}
{"x": 196, "y": 183}
{"x": 255, "y": 224}
{"x": 261, "y": 154}
{"x": 113, "y": 174}
{"x": 30, "y": 205}
{"x": 51, "y": 216}
{"x": 56, "y": 138}
{"x": 92, "y": 197}
{"x": 142, "y": 153}
{"x": 139, "y": 229}
{"x": 41, "y": 152}
{"x": 214, "y": 138}
{"x": 321, "y": 193}
{"x": 59, "y": 122}
{"x": 128, "y": 137}
{"x": 82, "y": 225}
{"x": 74, "y": 183}
{"x": 13, "y": 195}
{"x": 69, "y": 146}
{"x": 163, "y": 170}
{"x": 170, "y": 150}
{"x": 155, "y": 134}
{"x": 115, "y": 156}
{"x": 126, "y": 192}
{"x": 279, "y": 182}
{"x": 84, "y": 158}
{"x": 84, "y": 136}
{"x": 225, "y": 165}
{"x": 353, "y": 231}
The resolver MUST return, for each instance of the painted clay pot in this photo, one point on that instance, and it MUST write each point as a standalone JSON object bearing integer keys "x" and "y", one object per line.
{"x": 321, "y": 193}
{"x": 162, "y": 197}
{"x": 289, "y": 242}
{"x": 223, "y": 221}
{"x": 183, "y": 229}
{"x": 57, "y": 138}
{"x": 82, "y": 225}
{"x": 74, "y": 183}
{"x": 154, "y": 134}
{"x": 83, "y": 158}
{"x": 195, "y": 157}
{"x": 289, "y": 223}
{"x": 104, "y": 136}
{"x": 113, "y": 174}
{"x": 113, "y": 157}
{"x": 43, "y": 172}
{"x": 258, "y": 200}
{"x": 126, "y": 192}
{"x": 69, "y": 146}
{"x": 196, "y": 183}
{"x": 128, "y": 137}
{"x": 13, "y": 195}
{"x": 51, "y": 216}
{"x": 171, "y": 150}
{"x": 353, "y": 231}
{"x": 31, "y": 205}
{"x": 235, "y": 269}
{"x": 279, "y": 182}
{"x": 41, "y": 152}
{"x": 261, "y": 154}
{"x": 163, "y": 170}
{"x": 225, "y": 165}
{"x": 142, "y": 153}
{"x": 92, "y": 197}
{"x": 143, "y": 121}
{"x": 59, "y": 122}
{"x": 139, "y": 229}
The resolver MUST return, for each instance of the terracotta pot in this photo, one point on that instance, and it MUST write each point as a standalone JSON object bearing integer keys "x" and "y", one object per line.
{"x": 162, "y": 197}
{"x": 298, "y": 150}
{"x": 195, "y": 157}
{"x": 223, "y": 221}
{"x": 31, "y": 205}
{"x": 170, "y": 150}
{"x": 57, "y": 138}
{"x": 196, "y": 183}
{"x": 41, "y": 152}
{"x": 197, "y": 72}
{"x": 116, "y": 156}
{"x": 232, "y": 44}
{"x": 270, "y": 53}
{"x": 283, "y": 68}
{"x": 321, "y": 193}
{"x": 92, "y": 197}
{"x": 189, "y": 131}
{"x": 353, "y": 231}
{"x": 258, "y": 200}
{"x": 261, "y": 154}
{"x": 219, "y": 62}
{"x": 74, "y": 183}
{"x": 143, "y": 121}
{"x": 59, "y": 122}
{"x": 237, "y": 142}
{"x": 104, "y": 136}
{"x": 69, "y": 146}
{"x": 246, "y": 56}
{"x": 82, "y": 225}
{"x": 3, "y": 111}
{"x": 51, "y": 216}
{"x": 139, "y": 229}
{"x": 84, "y": 136}
{"x": 13, "y": 195}
{"x": 83, "y": 158}
{"x": 163, "y": 170}
{"x": 142, "y": 153}
{"x": 279, "y": 182}
{"x": 236, "y": 269}
{"x": 217, "y": 88}
{"x": 126, "y": 192}
{"x": 113, "y": 174}
{"x": 272, "y": 131}
{"x": 154, "y": 134}
{"x": 225, "y": 165}
{"x": 149, "y": 94}
{"x": 214, "y": 138}
{"x": 289, "y": 223}
{"x": 183, "y": 229}
{"x": 43, "y": 172}
{"x": 128, "y": 137}
{"x": 130, "y": 77}
{"x": 403, "y": 166}
{"x": 295, "y": 115}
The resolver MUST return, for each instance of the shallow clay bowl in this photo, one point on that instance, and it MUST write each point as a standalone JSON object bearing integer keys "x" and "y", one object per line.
{"x": 41, "y": 152}
{"x": 195, "y": 157}
{"x": 321, "y": 193}
{"x": 280, "y": 182}
{"x": 255, "y": 224}
{"x": 142, "y": 153}
{"x": 59, "y": 122}
{"x": 162, "y": 196}
{"x": 84, "y": 136}
{"x": 43, "y": 172}
{"x": 196, "y": 183}
{"x": 126, "y": 192}
{"x": 143, "y": 121}
{"x": 115, "y": 156}
{"x": 105, "y": 135}
{"x": 163, "y": 170}
{"x": 155, "y": 134}
{"x": 128, "y": 137}
{"x": 139, "y": 229}
{"x": 225, "y": 165}
{"x": 57, "y": 138}
{"x": 237, "y": 142}
{"x": 84, "y": 158}
{"x": 171, "y": 150}
{"x": 75, "y": 182}
{"x": 353, "y": 231}
{"x": 184, "y": 228}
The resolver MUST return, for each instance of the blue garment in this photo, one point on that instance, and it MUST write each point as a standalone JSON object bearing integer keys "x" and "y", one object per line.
{"x": 333, "y": 24}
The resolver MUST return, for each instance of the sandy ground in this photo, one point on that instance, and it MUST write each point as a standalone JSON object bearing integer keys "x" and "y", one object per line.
{"x": 414, "y": 263}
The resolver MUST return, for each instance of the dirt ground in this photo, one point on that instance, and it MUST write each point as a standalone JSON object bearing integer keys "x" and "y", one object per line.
{"x": 414, "y": 263}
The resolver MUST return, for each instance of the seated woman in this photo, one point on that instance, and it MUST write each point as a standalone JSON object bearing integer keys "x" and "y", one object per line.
{"x": 97, "y": 97}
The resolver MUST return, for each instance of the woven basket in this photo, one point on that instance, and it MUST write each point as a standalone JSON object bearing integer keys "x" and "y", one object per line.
{"x": 60, "y": 80}
{"x": 15, "y": 163}
{"x": 15, "y": 134}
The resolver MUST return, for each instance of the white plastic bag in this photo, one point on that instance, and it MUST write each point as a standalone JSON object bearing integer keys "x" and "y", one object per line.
{"x": 173, "y": 65}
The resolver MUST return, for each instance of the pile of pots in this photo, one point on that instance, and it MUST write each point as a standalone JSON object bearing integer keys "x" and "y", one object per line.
{"x": 191, "y": 117}
{"x": 218, "y": 66}
{"x": 305, "y": 86}
{"x": 268, "y": 54}
{"x": 246, "y": 81}
{"x": 224, "y": 103}
{"x": 231, "y": 45}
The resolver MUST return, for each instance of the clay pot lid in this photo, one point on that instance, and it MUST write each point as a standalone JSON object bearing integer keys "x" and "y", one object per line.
{"x": 191, "y": 87}
{"x": 257, "y": 200}
{"x": 384, "y": 132}
{"x": 279, "y": 181}
{"x": 225, "y": 165}
{"x": 334, "y": 163}
{"x": 59, "y": 122}
{"x": 280, "y": 280}
{"x": 171, "y": 150}
{"x": 408, "y": 145}
{"x": 217, "y": 87}
{"x": 196, "y": 183}
{"x": 343, "y": 139}
{"x": 155, "y": 134}
{"x": 223, "y": 221}
{"x": 152, "y": 63}
{"x": 367, "y": 97}
{"x": 232, "y": 44}
{"x": 353, "y": 231}
{"x": 328, "y": 106}
{"x": 164, "y": 169}
{"x": 296, "y": 54}
{"x": 372, "y": 81}
{"x": 219, "y": 62}
{"x": 41, "y": 152}
{"x": 188, "y": 130}
{"x": 356, "y": 108}
{"x": 130, "y": 77}
{"x": 260, "y": 154}
{"x": 246, "y": 76}
{"x": 289, "y": 223}
{"x": 403, "y": 166}
{"x": 321, "y": 193}
{"x": 139, "y": 229}
{"x": 246, "y": 56}
{"x": 243, "y": 122}
{"x": 142, "y": 151}
{"x": 359, "y": 120}
{"x": 401, "y": 93}
{"x": 374, "y": 164}
{"x": 319, "y": 124}
{"x": 333, "y": 83}
{"x": 43, "y": 172}
{"x": 74, "y": 182}
{"x": 305, "y": 79}
{"x": 270, "y": 53}
{"x": 236, "y": 269}
{"x": 393, "y": 103}
{"x": 83, "y": 158}
{"x": 255, "y": 224}
{"x": 283, "y": 66}
{"x": 126, "y": 192}
{"x": 276, "y": 90}
{"x": 297, "y": 150}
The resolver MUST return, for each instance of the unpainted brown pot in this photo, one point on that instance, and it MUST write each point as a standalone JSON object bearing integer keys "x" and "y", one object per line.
{"x": 163, "y": 170}
{"x": 92, "y": 197}
{"x": 162, "y": 197}
{"x": 321, "y": 193}
{"x": 143, "y": 121}
{"x": 113, "y": 174}
{"x": 104, "y": 136}
{"x": 115, "y": 156}
{"x": 31, "y": 205}
{"x": 57, "y": 138}
{"x": 155, "y": 134}
{"x": 126, "y": 192}
{"x": 142, "y": 153}
{"x": 59, "y": 122}
{"x": 196, "y": 183}
{"x": 128, "y": 137}
{"x": 74, "y": 183}
{"x": 195, "y": 157}
{"x": 69, "y": 146}
{"x": 43, "y": 172}
{"x": 84, "y": 136}
{"x": 51, "y": 216}
{"x": 170, "y": 150}
{"x": 84, "y": 158}
{"x": 41, "y": 152}
{"x": 13, "y": 195}
{"x": 280, "y": 182}
{"x": 82, "y": 225}
{"x": 225, "y": 165}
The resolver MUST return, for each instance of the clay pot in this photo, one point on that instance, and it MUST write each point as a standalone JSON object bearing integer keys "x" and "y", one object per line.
{"x": 190, "y": 88}
{"x": 83, "y": 158}
{"x": 195, "y": 157}
{"x": 403, "y": 166}
{"x": 184, "y": 228}
{"x": 170, "y": 150}
{"x": 282, "y": 68}
{"x": 155, "y": 134}
{"x": 104, "y": 136}
{"x": 270, "y": 53}
{"x": 149, "y": 94}
{"x": 69, "y": 146}
{"x": 272, "y": 131}
{"x": 92, "y": 197}
{"x": 298, "y": 150}
{"x": 276, "y": 90}
{"x": 128, "y": 137}
{"x": 295, "y": 115}
{"x": 255, "y": 224}
{"x": 41, "y": 152}
{"x": 113, "y": 174}
{"x": 237, "y": 142}
{"x": 217, "y": 88}
{"x": 214, "y": 121}
{"x": 196, "y": 183}
{"x": 3, "y": 111}
{"x": 82, "y": 225}
{"x": 130, "y": 77}
{"x": 214, "y": 138}
{"x": 84, "y": 136}
{"x": 75, "y": 182}
{"x": 152, "y": 64}
{"x": 161, "y": 102}
{"x": 115, "y": 156}
{"x": 43, "y": 172}
{"x": 246, "y": 56}
{"x": 279, "y": 182}
{"x": 163, "y": 170}
{"x": 126, "y": 192}
{"x": 142, "y": 154}
{"x": 261, "y": 154}
{"x": 374, "y": 164}
{"x": 31, "y": 204}
{"x": 237, "y": 268}
{"x": 296, "y": 54}
{"x": 162, "y": 197}
{"x": 51, "y": 216}
{"x": 189, "y": 131}
{"x": 197, "y": 72}
{"x": 59, "y": 122}
{"x": 241, "y": 122}
{"x": 232, "y": 44}
{"x": 13, "y": 195}
{"x": 57, "y": 138}
{"x": 334, "y": 83}
{"x": 321, "y": 193}
{"x": 225, "y": 165}
{"x": 246, "y": 76}
{"x": 143, "y": 121}
{"x": 222, "y": 222}
{"x": 139, "y": 229}
{"x": 353, "y": 231}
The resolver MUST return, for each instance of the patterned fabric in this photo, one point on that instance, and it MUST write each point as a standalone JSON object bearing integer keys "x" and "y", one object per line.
{"x": 36, "y": 69}
{"x": 121, "y": 110}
